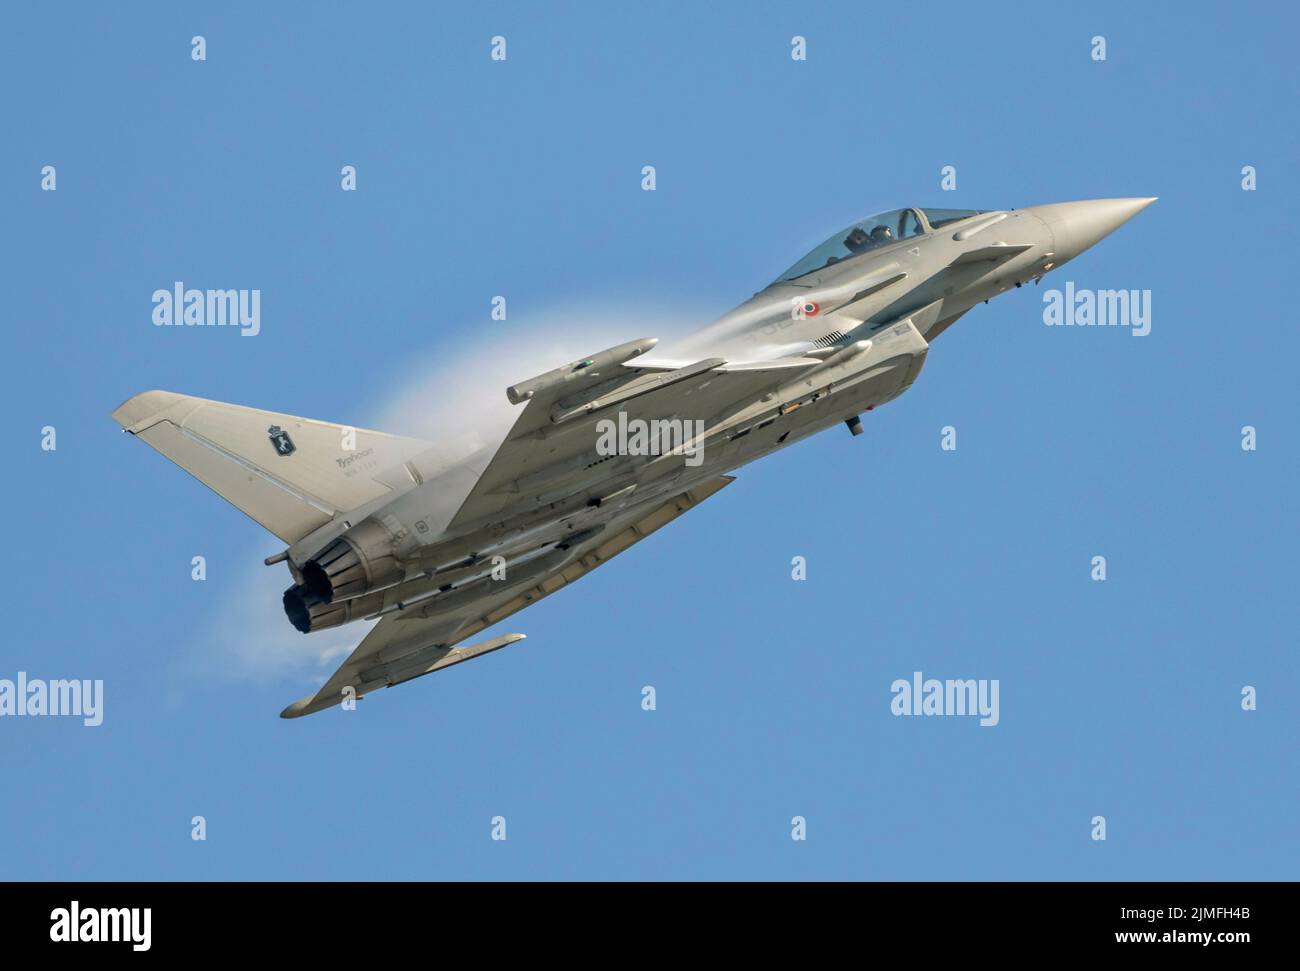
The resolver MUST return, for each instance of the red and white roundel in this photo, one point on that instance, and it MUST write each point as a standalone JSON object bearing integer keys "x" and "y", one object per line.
{"x": 811, "y": 309}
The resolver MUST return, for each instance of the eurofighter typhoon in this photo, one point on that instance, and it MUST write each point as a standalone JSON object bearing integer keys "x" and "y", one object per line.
{"x": 605, "y": 450}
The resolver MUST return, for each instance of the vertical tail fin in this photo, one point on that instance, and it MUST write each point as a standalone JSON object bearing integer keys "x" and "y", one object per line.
{"x": 287, "y": 473}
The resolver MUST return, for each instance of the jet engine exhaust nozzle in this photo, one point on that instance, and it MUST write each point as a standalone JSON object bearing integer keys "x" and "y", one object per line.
{"x": 308, "y": 614}
{"x": 355, "y": 563}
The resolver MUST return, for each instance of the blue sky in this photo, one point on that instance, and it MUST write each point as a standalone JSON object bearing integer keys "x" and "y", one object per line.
{"x": 522, "y": 178}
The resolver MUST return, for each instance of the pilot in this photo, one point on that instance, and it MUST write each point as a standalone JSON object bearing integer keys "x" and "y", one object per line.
{"x": 881, "y": 235}
{"x": 857, "y": 241}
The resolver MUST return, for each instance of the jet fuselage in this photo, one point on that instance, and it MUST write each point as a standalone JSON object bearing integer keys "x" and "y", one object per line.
{"x": 844, "y": 331}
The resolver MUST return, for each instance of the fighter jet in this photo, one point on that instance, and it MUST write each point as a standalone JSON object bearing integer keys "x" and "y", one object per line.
{"x": 439, "y": 547}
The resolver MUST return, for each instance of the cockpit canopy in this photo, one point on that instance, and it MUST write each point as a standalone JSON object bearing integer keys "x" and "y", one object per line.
{"x": 942, "y": 217}
{"x": 873, "y": 233}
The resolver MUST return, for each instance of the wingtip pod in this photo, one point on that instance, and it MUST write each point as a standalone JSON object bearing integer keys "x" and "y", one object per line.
{"x": 297, "y": 709}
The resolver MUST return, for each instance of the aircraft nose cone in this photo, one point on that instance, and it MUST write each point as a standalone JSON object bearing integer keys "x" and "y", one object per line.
{"x": 1078, "y": 225}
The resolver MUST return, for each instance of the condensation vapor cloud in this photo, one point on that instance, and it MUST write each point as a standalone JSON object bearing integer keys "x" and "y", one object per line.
{"x": 453, "y": 396}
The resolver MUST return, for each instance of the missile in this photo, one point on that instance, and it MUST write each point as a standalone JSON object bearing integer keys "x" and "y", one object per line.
{"x": 473, "y": 577}
{"x": 581, "y": 368}
{"x": 569, "y": 409}
{"x": 520, "y": 569}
